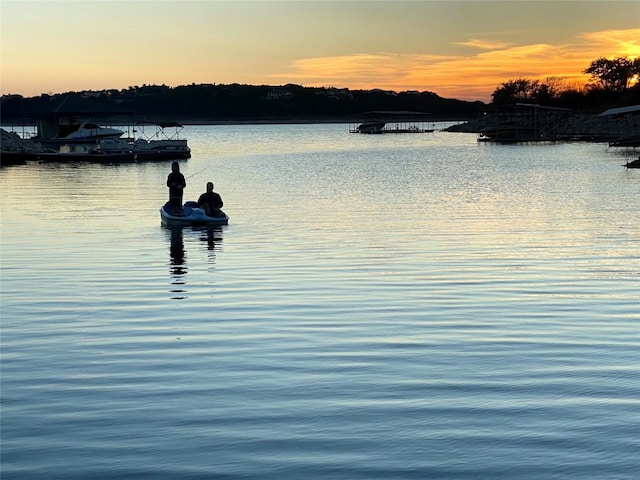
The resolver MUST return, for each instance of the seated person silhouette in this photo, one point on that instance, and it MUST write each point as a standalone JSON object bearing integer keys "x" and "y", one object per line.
{"x": 211, "y": 202}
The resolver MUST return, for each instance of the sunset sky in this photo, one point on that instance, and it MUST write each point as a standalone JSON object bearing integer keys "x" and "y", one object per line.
{"x": 457, "y": 49}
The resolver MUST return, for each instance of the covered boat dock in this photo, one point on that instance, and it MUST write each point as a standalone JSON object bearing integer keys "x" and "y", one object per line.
{"x": 380, "y": 121}
{"x": 630, "y": 130}
{"x": 524, "y": 122}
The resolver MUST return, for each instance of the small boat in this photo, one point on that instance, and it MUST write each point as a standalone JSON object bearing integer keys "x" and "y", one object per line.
{"x": 85, "y": 130}
{"x": 156, "y": 146}
{"x": 633, "y": 164}
{"x": 372, "y": 126}
{"x": 191, "y": 215}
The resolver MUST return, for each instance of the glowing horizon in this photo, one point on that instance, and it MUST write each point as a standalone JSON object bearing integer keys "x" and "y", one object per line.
{"x": 474, "y": 72}
{"x": 456, "y": 49}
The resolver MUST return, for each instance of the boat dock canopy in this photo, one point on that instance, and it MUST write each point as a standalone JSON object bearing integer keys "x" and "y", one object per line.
{"x": 403, "y": 121}
{"x": 392, "y": 114}
{"x": 160, "y": 124}
{"x": 542, "y": 107}
{"x": 620, "y": 110}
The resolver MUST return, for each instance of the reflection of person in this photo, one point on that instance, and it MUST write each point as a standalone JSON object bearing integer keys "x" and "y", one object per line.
{"x": 176, "y": 250}
{"x": 211, "y": 202}
{"x": 178, "y": 265}
{"x": 176, "y": 184}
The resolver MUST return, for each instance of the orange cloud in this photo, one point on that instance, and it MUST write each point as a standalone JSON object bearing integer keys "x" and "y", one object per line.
{"x": 472, "y": 77}
{"x": 625, "y": 43}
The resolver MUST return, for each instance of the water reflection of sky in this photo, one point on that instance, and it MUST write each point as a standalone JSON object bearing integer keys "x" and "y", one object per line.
{"x": 354, "y": 284}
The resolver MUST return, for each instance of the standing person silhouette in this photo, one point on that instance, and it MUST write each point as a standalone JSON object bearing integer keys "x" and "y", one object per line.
{"x": 176, "y": 184}
{"x": 211, "y": 202}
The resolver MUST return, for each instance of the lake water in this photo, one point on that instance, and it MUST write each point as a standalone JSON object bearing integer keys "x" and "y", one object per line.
{"x": 417, "y": 306}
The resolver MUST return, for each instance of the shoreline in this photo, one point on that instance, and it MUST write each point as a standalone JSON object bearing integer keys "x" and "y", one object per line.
{"x": 578, "y": 125}
{"x": 588, "y": 127}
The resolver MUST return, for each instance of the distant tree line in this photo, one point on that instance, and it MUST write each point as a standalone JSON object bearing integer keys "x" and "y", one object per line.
{"x": 614, "y": 82}
{"x": 236, "y": 102}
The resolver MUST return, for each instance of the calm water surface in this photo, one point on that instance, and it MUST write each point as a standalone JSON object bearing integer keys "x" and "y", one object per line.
{"x": 379, "y": 307}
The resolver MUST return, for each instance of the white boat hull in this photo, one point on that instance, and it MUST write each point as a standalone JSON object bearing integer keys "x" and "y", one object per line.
{"x": 191, "y": 215}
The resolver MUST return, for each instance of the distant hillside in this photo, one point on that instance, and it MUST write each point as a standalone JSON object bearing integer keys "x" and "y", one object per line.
{"x": 241, "y": 103}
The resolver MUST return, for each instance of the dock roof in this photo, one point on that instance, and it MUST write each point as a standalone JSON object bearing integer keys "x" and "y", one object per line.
{"x": 620, "y": 110}
{"x": 393, "y": 113}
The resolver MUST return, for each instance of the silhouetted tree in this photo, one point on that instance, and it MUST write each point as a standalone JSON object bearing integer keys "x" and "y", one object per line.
{"x": 614, "y": 75}
{"x": 523, "y": 90}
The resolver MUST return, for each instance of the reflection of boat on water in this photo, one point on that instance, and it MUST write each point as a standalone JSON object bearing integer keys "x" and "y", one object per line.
{"x": 89, "y": 156}
{"x": 191, "y": 215}
{"x": 379, "y": 122}
{"x": 213, "y": 237}
{"x": 211, "y": 234}
{"x": 158, "y": 144}
{"x": 178, "y": 269}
